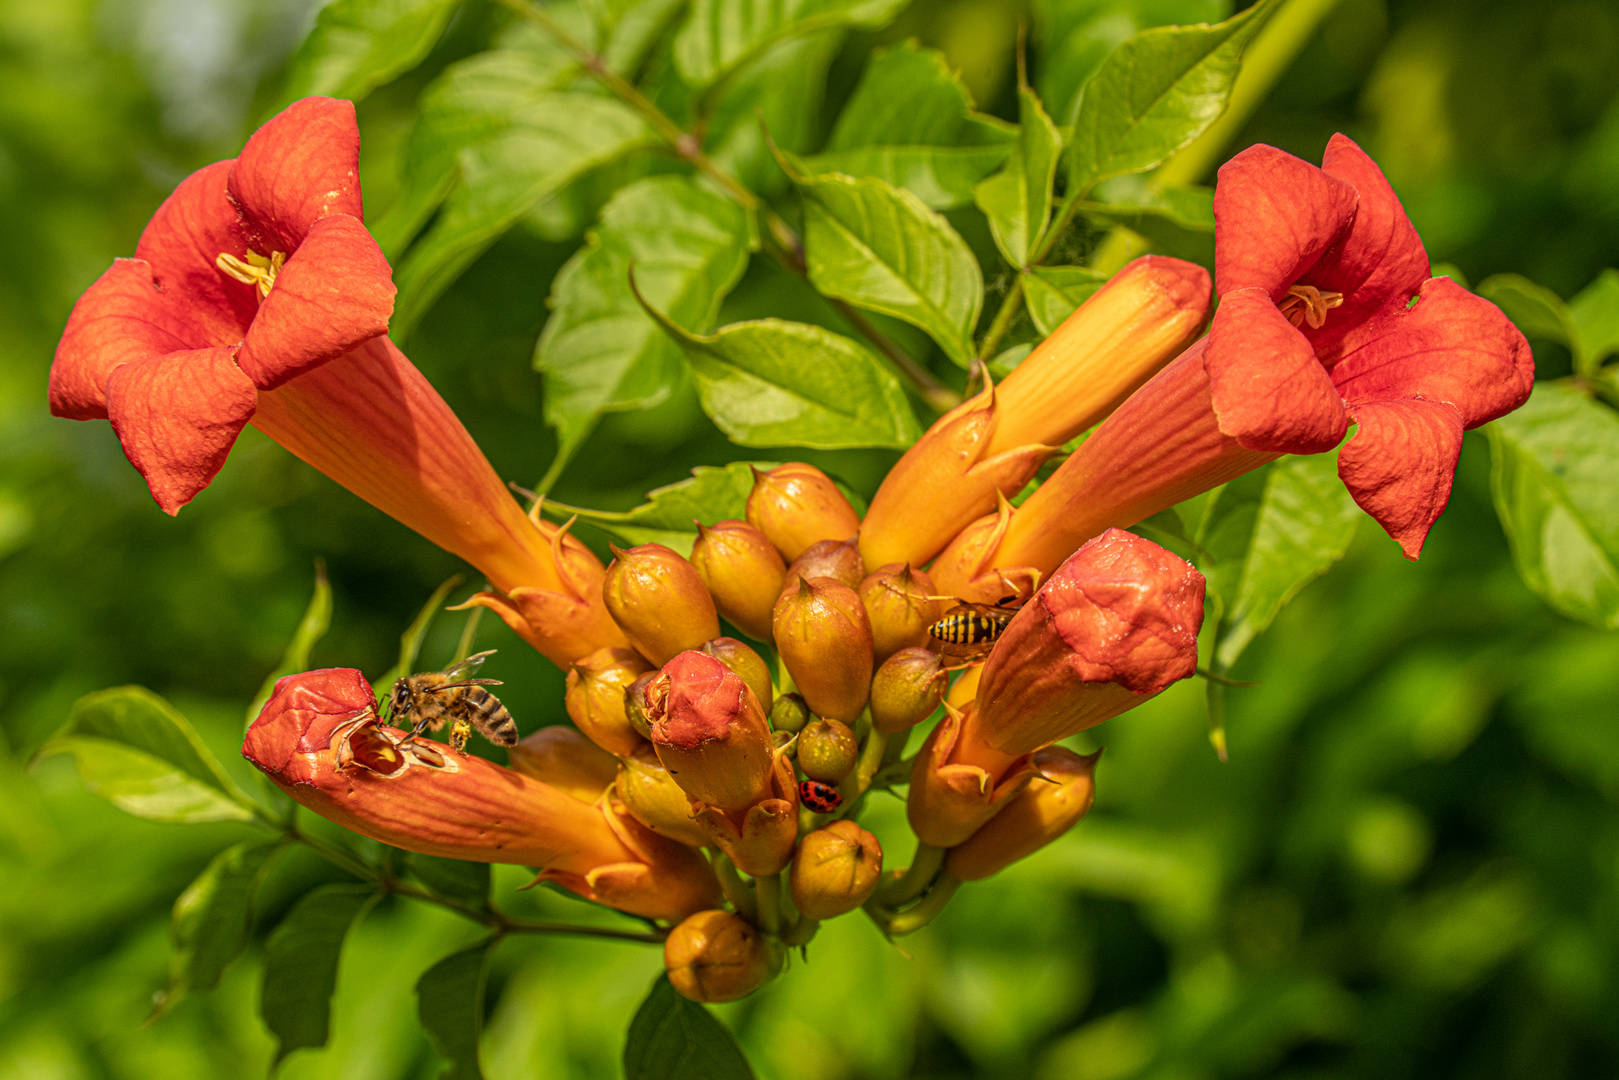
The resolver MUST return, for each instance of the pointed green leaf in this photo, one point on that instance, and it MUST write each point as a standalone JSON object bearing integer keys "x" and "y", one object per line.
{"x": 719, "y": 36}
{"x": 1595, "y": 315}
{"x": 213, "y": 917}
{"x": 777, "y": 383}
{"x": 358, "y": 45}
{"x": 1537, "y": 311}
{"x": 449, "y": 1003}
{"x": 1156, "y": 93}
{"x": 137, "y": 752}
{"x": 1017, "y": 200}
{"x": 457, "y": 879}
{"x": 780, "y": 92}
{"x": 600, "y": 351}
{"x": 672, "y": 1038}
{"x": 1053, "y": 292}
{"x": 880, "y": 248}
{"x": 300, "y": 965}
{"x": 311, "y": 628}
{"x": 714, "y": 493}
{"x": 1554, "y": 463}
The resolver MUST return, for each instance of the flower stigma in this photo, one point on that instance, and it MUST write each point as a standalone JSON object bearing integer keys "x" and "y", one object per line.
{"x": 257, "y": 270}
{"x": 1303, "y": 303}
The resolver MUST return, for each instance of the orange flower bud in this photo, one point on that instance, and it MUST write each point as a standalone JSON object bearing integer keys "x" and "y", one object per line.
{"x": 319, "y": 739}
{"x": 565, "y": 759}
{"x": 716, "y": 956}
{"x": 836, "y": 559}
{"x": 823, "y": 636}
{"x": 760, "y": 838}
{"x": 653, "y": 798}
{"x": 1116, "y": 340}
{"x": 595, "y": 698}
{"x": 897, "y": 604}
{"x": 746, "y": 663}
{"x": 789, "y": 713}
{"x": 1113, "y": 627}
{"x": 710, "y": 732}
{"x": 635, "y": 703}
{"x": 964, "y": 691}
{"x": 660, "y": 601}
{"x": 743, "y": 572}
{"x": 1052, "y": 804}
{"x": 835, "y": 870}
{"x": 906, "y": 690}
{"x": 951, "y": 800}
{"x": 827, "y": 751}
{"x": 972, "y": 568}
{"x": 796, "y": 505}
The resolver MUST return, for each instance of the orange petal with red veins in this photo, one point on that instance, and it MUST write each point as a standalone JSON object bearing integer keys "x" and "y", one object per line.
{"x": 1275, "y": 216}
{"x": 1400, "y": 464}
{"x": 122, "y": 318}
{"x": 1270, "y": 392}
{"x": 301, "y": 166}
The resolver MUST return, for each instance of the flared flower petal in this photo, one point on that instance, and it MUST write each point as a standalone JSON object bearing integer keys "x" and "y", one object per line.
{"x": 1275, "y": 216}
{"x": 301, "y": 166}
{"x": 1400, "y": 464}
{"x": 122, "y": 318}
{"x": 194, "y": 226}
{"x": 1269, "y": 390}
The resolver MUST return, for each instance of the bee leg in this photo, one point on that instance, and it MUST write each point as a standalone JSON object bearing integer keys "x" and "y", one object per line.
{"x": 459, "y": 733}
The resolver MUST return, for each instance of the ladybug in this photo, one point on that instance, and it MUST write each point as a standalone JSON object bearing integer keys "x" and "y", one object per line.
{"x": 819, "y": 797}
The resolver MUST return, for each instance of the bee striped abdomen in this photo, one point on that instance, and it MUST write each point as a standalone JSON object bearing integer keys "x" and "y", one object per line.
{"x": 490, "y": 717}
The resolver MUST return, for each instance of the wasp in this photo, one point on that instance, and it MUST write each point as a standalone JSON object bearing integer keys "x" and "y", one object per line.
{"x": 969, "y": 630}
{"x": 432, "y": 698}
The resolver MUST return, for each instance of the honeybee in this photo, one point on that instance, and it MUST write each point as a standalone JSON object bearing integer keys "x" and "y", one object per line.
{"x": 430, "y": 699}
{"x": 970, "y": 630}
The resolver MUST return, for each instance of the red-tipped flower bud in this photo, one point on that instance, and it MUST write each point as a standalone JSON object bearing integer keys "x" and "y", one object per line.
{"x": 653, "y": 798}
{"x": 716, "y": 956}
{"x": 906, "y": 690}
{"x": 710, "y": 732}
{"x": 746, "y": 663}
{"x": 1052, "y": 804}
{"x": 660, "y": 601}
{"x": 595, "y": 698}
{"x": 743, "y": 572}
{"x": 835, "y": 870}
{"x": 825, "y": 640}
{"x": 898, "y": 605}
{"x": 827, "y": 751}
{"x": 836, "y": 559}
{"x": 789, "y": 713}
{"x": 565, "y": 759}
{"x": 796, "y": 505}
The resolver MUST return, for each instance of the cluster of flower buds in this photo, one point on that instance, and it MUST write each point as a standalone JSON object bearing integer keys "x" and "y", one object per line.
{"x": 693, "y": 780}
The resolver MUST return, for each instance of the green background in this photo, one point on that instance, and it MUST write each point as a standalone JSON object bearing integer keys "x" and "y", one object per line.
{"x": 1410, "y": 866}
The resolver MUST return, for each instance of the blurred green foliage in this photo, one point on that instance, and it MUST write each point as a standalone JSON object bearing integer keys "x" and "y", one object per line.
{"x": 1408, "y": 867}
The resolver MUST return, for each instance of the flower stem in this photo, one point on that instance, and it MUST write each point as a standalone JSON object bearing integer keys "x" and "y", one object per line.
{"x": 767, "y": 890}
{"x": 912, "y": 920}
{"x": 925, "y": 866}
{"x": 1010, "y": 304}
{"x": 734, "y": 888}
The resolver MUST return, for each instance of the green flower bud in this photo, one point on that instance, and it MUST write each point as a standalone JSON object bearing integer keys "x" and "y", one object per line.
{"x": 789, "y": 714}
{"x": 827, "y": 751}
{"x": 906, "y": 690}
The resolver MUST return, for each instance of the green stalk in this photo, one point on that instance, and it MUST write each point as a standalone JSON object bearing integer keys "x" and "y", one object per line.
{"x": 767, "y": 890}
{"x": 925, "y": 866}
{"x": 909, "y": 922}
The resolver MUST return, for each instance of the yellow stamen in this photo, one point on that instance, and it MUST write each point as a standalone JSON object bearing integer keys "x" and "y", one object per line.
{"x": 1306, "y": 303}
{"x": 257, "y": 270}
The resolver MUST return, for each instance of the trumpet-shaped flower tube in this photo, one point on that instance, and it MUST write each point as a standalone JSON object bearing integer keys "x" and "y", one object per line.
{"x": 319, "y": 739}
{"x": 1053, "y": 803}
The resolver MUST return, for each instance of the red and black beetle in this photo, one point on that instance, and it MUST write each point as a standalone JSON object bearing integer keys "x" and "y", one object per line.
{"x": 819, "y": 797}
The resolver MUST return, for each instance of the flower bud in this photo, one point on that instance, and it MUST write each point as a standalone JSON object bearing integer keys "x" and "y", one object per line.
{"x": 595, "y": 698}
{"x": 949, "y": 800}
{"x": 565, "y": 759}
{"x": 743, "y": 572}
{"x": 746, "y": 663}
{"x": 660, "y": 601}
{"x": 835, "y": 870}
{"x": 788, "y": 713}
{"x": 653, "y": 798}
{"x": 827, "y": 751}
{"x": 759, "y": 839}
{"x": 710, "y": 732}
{"x": 635, "y": 703}
{"x": 836, "y": 559}
{"x": 796, "y": 505}
{"x": 905, "y": 690}
{"x": 716, "y": 956}
{"x": 1052, "y": 804}
{"x": 964, "y": 691}
{"x": 1115, "y": 625}
{"x": 823, "y": 636}
{"x": 897, "y": 603}
{"x": 971, "y": 567}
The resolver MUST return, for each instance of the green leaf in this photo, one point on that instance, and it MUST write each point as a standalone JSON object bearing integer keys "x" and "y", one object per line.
{"x": 213, "y": 917}
{"x": 311, "y": 628}
{"x": 1269, "y": 534}
{"x": 781, "y": 92}
{"x": 880, "y": 248}
{"x": 1554, "y": 463}
{"x": 1175, "y": 221}
{"x": 449, "y": 1002}
{"x": 1595, "y": 315}
{"x": 358, "y": 45}
{"x": 1155, "y": 94}
{"x": 672, "y": 1038}
{"x": 1053, "y": 292}
{"x": 600, "y": 352}
{"x": 1075, "y": 37}
{"x": 1537, "y": 311}
{"x": 714, "y": 493}
{"x": 1017, "y": 200}
{"x": 457, "y": 879}
{"x": 911, "y": 123}
{"x": 300, "y": 965}
{"x": 776, "y": 383}
{"x": 410, "y": 642}
{"x": 136, "y": 751}
{"x": 719, "y": 36}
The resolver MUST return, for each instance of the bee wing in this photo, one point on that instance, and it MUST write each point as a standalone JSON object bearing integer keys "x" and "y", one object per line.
{"x": 469, "y": 665}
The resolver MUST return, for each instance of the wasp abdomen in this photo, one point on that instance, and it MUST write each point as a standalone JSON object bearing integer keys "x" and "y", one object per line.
{"x": 968, "y": 628}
